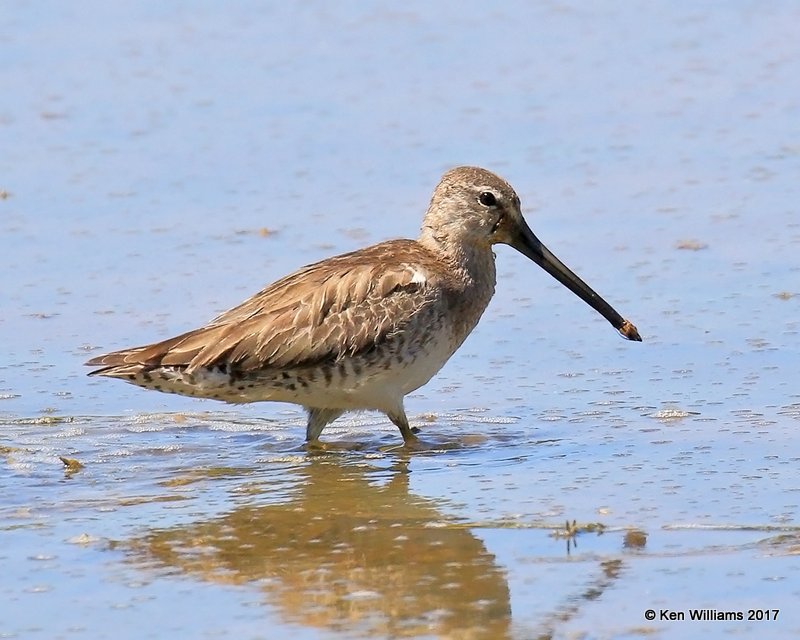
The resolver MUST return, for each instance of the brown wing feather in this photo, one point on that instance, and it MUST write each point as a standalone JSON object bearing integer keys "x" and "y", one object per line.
{"x": 340, "y": 306}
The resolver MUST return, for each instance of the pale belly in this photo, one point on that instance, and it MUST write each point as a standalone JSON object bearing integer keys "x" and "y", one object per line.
{"x": 362, "y": 383}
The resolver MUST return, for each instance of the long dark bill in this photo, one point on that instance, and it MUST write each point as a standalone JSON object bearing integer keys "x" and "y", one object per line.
{"x": 529, "y": 245}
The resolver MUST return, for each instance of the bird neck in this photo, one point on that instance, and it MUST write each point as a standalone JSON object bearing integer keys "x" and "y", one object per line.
{"x": 475, "y": 261}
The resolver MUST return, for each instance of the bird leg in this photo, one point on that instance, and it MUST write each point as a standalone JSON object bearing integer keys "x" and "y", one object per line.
{"x": 406, "y": 431}
{"x": 318, "y": 419}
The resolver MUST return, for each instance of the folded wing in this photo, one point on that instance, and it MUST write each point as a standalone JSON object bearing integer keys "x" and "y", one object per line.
{"x": 339, "y": 307}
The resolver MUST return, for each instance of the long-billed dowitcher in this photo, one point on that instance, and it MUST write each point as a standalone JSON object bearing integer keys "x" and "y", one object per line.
{"x": 363, "y": 329}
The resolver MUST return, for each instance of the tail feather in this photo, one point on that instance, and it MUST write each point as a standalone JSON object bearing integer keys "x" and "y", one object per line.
{"x": 142, "y": 358}
{"x": 179, "y": 351}
{"x": 123, "y": 371}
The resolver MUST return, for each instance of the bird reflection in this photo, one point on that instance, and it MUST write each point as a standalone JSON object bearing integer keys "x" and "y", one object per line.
{"x": 347, "y": 551}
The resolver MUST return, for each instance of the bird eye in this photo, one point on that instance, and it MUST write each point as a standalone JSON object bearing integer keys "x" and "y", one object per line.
{"x": 487, "y": 199}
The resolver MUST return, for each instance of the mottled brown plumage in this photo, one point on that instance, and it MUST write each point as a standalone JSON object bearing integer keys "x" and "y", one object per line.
{"x": 363, "y": 329}
{"x": 329, "y": 310}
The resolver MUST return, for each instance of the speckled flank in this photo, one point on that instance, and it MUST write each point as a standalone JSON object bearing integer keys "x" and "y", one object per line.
{"x": 360, "y": 330}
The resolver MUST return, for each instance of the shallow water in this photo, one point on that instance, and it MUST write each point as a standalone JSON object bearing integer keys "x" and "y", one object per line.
{"x": 162, "y": 162}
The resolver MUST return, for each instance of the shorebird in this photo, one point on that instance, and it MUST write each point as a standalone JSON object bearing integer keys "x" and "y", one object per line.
{"x": 361, "y": 330}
